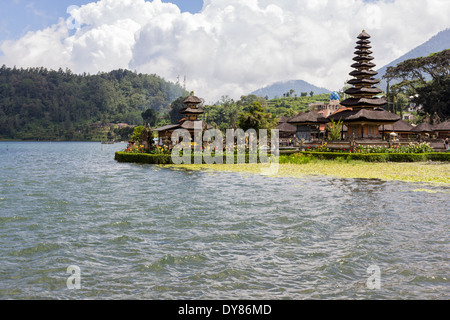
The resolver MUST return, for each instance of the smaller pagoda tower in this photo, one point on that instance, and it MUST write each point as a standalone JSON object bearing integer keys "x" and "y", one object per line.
{"x": 192, "y": 110}
{"x": 190, "y": 122}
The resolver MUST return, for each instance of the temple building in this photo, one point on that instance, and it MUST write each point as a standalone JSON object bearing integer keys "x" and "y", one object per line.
{"x": 191, "y": 113}
{"x": 400, "y": 129}
{"x": 310, "y": 125}
{"x": 423, "y": 130}
{"x": 442, "y": 130}
{"x": 364, "y": 115}
{"x": 287, "y": 131}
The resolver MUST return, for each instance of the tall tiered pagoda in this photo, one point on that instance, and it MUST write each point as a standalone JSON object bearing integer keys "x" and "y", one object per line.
{"x": 365, "y": 114}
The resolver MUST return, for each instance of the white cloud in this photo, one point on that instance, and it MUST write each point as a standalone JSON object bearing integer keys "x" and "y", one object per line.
{"x": 40, "y": 48}
{"x": 231, "y": 47}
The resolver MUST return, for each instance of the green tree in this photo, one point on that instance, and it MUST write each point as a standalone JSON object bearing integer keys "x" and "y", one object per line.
{"x": 150, "y": 117}
{"x": 426, "y": 77}
{"x": 175, "y": 110}
{"x": 256, "y": 118}
{"x": 435, "y": 97}
{"x": 336, "y": 130}
{"x": 413, "y": 73}
{"x": 137, "y": 133}
{"x": 290, "y": 113}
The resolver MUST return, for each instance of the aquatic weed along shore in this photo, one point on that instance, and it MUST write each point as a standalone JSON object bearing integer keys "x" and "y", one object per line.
{"x": 419, "y": 172}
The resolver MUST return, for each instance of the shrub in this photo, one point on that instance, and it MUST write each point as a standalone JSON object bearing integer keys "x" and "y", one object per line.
{"x": 336, "y": 128}
{"x": 296, "y": 158}
{"x": 407, "y": 157}
{"x": 438, "y": 156}
{"x": 143, "y": 158}
{"x": 161, "y": 158}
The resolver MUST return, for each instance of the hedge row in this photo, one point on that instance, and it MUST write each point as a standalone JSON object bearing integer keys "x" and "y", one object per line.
{"x": 143, "y": 158}
{"x": 294, "y": 158}
{"x": 371, "y": 157}
{"x": 158, "y": 158}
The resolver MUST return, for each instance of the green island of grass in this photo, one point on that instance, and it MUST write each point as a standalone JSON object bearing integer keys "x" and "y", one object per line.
{"x": 434, "y": 173}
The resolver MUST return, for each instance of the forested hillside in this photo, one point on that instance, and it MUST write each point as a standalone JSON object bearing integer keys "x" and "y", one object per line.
{"x": 41, "y": 104}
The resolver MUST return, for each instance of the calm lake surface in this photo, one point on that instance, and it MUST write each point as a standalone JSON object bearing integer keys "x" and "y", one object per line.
{"x": 144, "y": 232}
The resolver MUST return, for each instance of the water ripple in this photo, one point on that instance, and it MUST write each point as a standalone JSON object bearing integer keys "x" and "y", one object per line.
{"x": 145, "y": 232}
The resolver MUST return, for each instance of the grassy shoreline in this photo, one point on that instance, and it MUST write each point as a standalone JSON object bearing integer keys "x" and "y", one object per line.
{"x": 435, "y": 173}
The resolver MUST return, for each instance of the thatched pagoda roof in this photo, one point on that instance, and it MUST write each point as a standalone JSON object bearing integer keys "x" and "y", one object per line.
{"x": 190, "y": 125}
{"x": 192, "y": 99}
{"x": 423, "y": 127}
{"x": 363, "y": 42}
{"x": 444, "y": 126}
{"x": 363, "y": 81}
{"x": 358, "y": 73}
{"x": 310, "y": 117}
{"x": 370, "y": 90}
{"x": 363, "y": 65}
{"x": 363, "y": 47}
{"x": 364, "y": 35}
{"x": 399, "y": 126}
{"x": 365, "y": 51}
{"x": 376, "y": 115}
{"x": 192, "y": 111}
{"x": 287, "y": 127}
{"x": 283, "y": 119}
{"x": 363, "y": 58}
{"x": 362, "y": 102}
{"x": 184, "y": 124}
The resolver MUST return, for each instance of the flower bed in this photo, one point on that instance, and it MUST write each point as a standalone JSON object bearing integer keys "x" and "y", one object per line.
{"x": 305, "y": 157}
{"x": 141, "y": 149}
{"x": 365, "y": 149}
{"x": 411, "y": 148}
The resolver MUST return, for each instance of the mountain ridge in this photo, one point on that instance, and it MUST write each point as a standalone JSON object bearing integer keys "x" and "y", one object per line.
{"x": 277, "y": 89}
{"x": 437, "y": 43}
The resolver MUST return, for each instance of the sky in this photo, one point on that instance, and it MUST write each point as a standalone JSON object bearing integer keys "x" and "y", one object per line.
{"x": 222, "y": 47}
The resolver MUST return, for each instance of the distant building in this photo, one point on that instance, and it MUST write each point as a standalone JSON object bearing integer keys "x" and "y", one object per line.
{"x": 327, "y": 108}
{"x": 413, "y": 107}
{"x": 408, "y": 117}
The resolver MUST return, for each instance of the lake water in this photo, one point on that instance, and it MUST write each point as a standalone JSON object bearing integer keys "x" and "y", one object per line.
{"x": 143, "y": 232}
